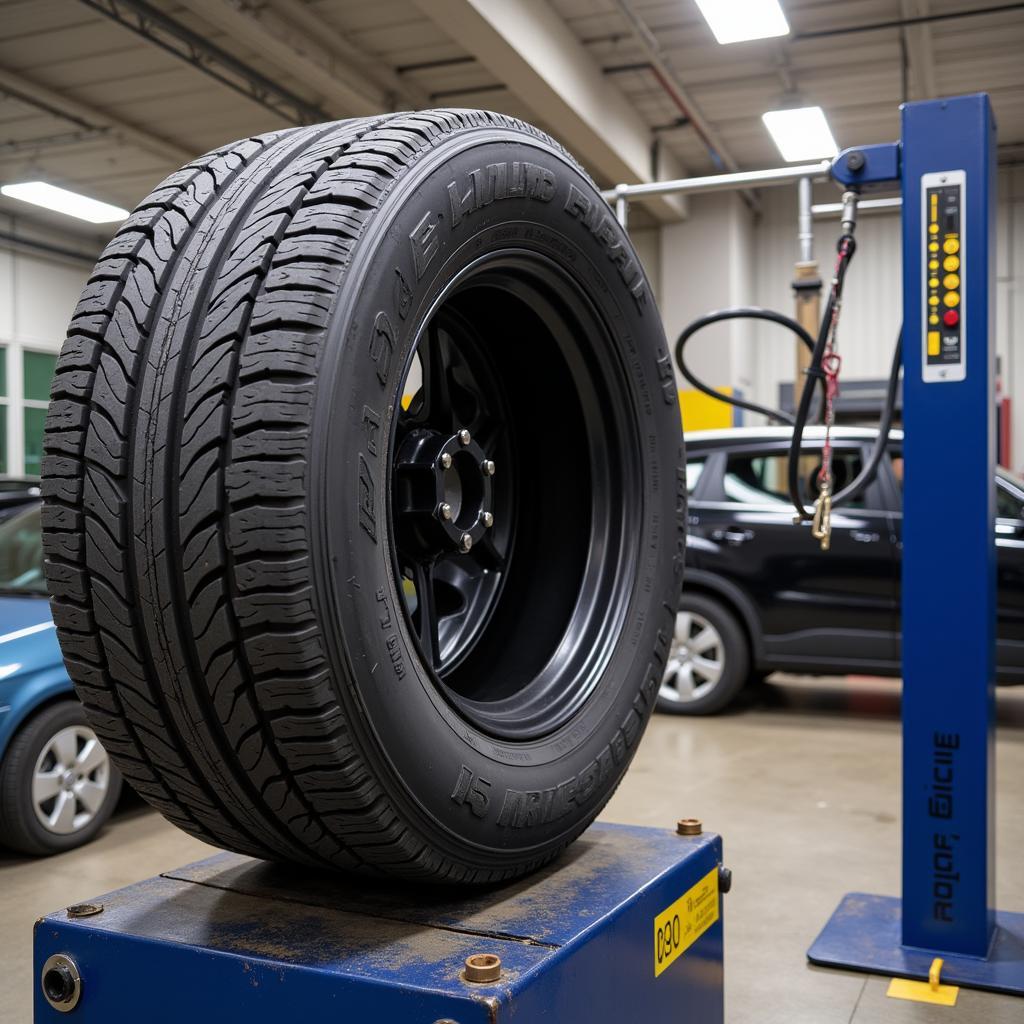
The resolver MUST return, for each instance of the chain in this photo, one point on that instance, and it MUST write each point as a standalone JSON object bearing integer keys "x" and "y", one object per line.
{"x": 831, "y": 362}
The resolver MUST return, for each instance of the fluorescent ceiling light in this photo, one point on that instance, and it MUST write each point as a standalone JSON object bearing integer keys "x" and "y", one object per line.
{"x": 39, "y": 193}
{"x": 801, "y": 134}
{"x": 735, "y": 21}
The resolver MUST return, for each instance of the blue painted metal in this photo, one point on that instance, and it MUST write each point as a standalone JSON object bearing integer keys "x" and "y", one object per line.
{"x": 31, "y": 667}
{"x": 865, "y": 933}
{"x": 879, "y": 165}
{"x": 949, "y": 688}
{"x": 948, "y": 591}
{"x": 231, "y": 938}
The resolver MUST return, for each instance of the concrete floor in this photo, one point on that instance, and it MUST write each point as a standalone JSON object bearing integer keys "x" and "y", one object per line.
{"x": 802, "y": 783}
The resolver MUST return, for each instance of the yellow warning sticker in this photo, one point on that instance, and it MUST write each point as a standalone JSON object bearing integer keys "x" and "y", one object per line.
{"x": 679, "y": 926}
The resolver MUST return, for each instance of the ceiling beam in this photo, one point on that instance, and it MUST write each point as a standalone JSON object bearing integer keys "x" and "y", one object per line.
{"x": 919, "y": 49}
{"x": 196, "y": 50}
{"x": 89, "y": 117}
{"x": 526, "y": 45}
{"x": 345, "y": 91}
{"x": 674, "y": 88}
{"x": 400, "y": 90}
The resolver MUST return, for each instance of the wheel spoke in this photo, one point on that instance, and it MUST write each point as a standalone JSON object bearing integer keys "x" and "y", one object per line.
{"x": 46, "y": 785}
{"x": 685, "y": 682}
{"x": 91, "y": 794}
{"x": 704, "y": 640}
{"x": 91, "y": 757}
{"x": 435, "y": 362}
{"x": 62, "y": 817}
{"x": 426, "y": 612}
{"x": 65, "y": 747}
{"x": 709, "y": 670}
{"x": 487, "y": 555}
{"x": 684, "y": 623}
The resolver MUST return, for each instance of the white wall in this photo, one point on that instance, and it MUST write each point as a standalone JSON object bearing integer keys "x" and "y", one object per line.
{"x": 706, "y": 263}
{"x": 37, "y": 297}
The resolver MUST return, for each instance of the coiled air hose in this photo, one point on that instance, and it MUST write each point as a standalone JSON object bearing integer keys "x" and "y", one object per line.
{"x": 845, "y": 248}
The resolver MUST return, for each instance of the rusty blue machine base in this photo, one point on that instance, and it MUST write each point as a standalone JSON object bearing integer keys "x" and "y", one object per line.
{"x": 864, "y": 934}
{"x": 233, "y": 939}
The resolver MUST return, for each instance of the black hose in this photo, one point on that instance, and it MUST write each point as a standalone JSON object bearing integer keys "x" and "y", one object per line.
{"x": 814, "y": 372}
{"x": 846, "y": 247}
{"x": 741, "y": 313}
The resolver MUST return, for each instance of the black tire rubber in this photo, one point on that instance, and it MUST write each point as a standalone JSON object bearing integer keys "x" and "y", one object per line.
{"x": 735, "y": 673}
{"x": 218, "y": 518}
{"x": 20, "y": 830}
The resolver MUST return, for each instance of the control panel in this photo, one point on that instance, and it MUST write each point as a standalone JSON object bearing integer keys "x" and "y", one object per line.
{"x": 943, "y": 356}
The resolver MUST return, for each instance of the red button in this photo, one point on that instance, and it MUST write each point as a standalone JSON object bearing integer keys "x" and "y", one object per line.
{"x": 951, "y": 318}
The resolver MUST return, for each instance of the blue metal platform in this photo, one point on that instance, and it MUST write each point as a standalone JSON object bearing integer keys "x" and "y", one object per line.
{"x": 865, "y": 934}
{"x": 234, "y": 939}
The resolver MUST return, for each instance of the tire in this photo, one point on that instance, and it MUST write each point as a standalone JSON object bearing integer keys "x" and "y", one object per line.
{"x": 57, "y": 750}
{"x": 283, "y": 642}
{"x": 704, "y": 629}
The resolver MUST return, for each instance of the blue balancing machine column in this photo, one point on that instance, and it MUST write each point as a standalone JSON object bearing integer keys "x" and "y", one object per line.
{"x": 945, "y": 165}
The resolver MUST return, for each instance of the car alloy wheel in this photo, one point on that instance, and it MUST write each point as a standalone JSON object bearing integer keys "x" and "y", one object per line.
{"x": 70, "y": 781}
{"x": 696, "y": 660}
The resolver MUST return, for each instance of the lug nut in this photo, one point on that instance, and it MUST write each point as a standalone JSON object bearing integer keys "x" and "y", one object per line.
{"x": 464, "y": 437}
{"x": 446, "y": 461}
{"x": 487, "y": 519}
{"x": 466, "y": 542}
{"x": 444, "y": 510}
{"x": 488, "y": 467}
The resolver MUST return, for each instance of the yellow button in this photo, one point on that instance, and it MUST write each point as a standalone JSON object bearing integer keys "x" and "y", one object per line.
{"x": 933, "y": 343}
{"x": 933, "y": 264}
{"x": 951, "y": 281}
{"x": 933, "y": 300}
{"x": 933, "y": 228}
{"x": 933, "y": 319}
{"x": 951, "y": 298}
{"x": 951, "y": 245}
{"x": 951, "y": 263}
{"x": 933, "y": 246}
{"x": 933, "y": 282}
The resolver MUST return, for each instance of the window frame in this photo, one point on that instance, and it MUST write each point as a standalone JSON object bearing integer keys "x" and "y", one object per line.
{"x": 712, "y": 495}
{"x": 15, "y": 403}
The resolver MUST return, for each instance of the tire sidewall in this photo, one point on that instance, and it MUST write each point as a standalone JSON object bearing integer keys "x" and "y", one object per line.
{"x": 447, "y": 771}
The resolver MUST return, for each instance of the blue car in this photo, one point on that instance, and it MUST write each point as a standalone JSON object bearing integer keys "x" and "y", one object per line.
{"x": 57, "y": 785}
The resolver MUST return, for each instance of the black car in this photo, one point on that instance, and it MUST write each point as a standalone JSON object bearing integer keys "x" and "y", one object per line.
{"x": 761, "y": 596}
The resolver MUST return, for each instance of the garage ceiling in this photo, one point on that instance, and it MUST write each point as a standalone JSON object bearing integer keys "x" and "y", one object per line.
{"x": 108, "y": 96}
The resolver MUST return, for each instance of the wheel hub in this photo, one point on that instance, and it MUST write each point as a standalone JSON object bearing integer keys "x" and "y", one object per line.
{"x": 444, "y": 492}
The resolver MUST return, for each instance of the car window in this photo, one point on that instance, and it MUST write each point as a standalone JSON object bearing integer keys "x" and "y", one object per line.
{"x": 759, "y": 478}
{"x": 21, "y": 554}
{"x": 1008, "y": 503}
{"x": 1009, "y": 490}
{"x": 694, "y": 468}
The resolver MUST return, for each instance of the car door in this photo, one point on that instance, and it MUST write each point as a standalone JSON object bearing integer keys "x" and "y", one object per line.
{"x": 819, "y": 610}
{"x": 1010, "y": 577}
{"x": 1009, "y": 529}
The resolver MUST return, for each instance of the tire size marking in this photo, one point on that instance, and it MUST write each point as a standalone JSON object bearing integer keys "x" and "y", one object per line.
{"x": 472, "y": 791}
{"x": 387, "y": 623}
{"x": 680, "y": 925}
